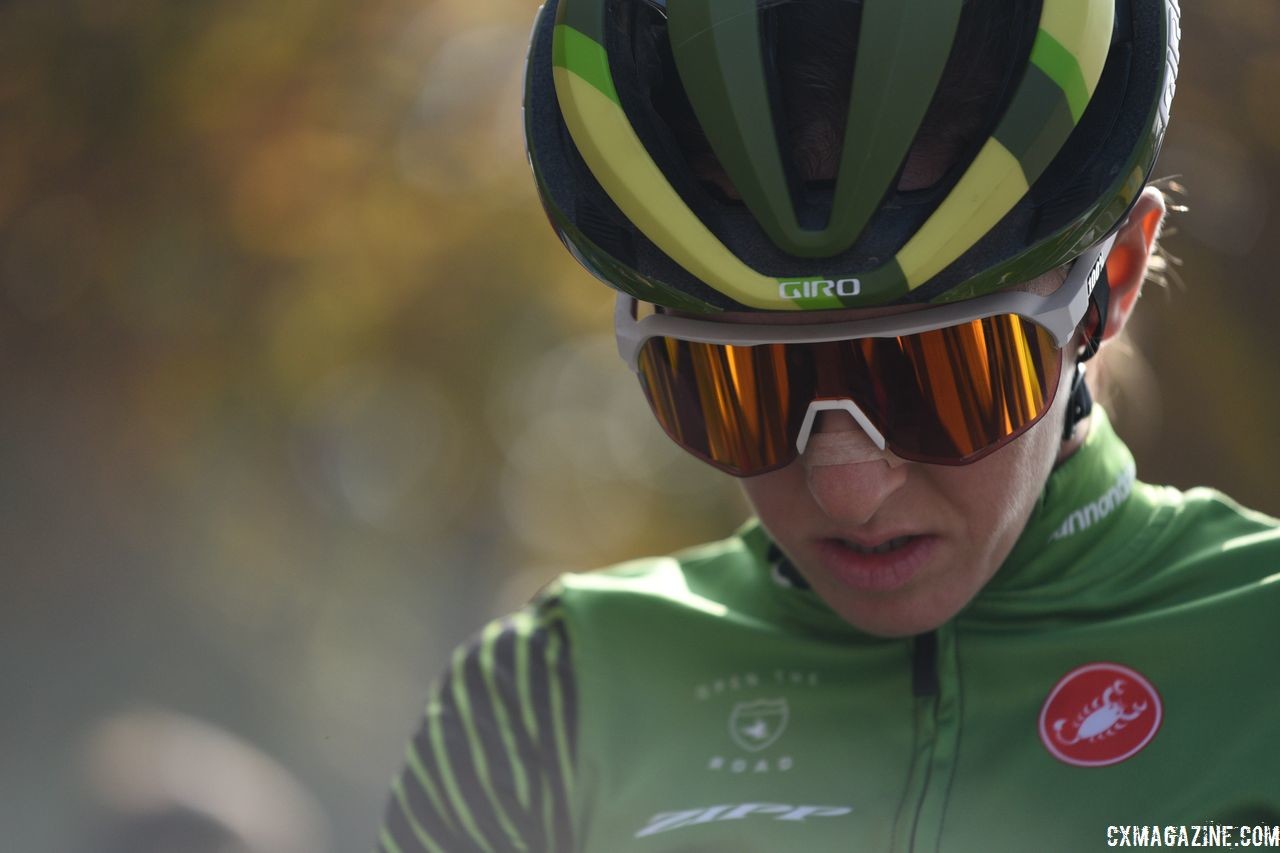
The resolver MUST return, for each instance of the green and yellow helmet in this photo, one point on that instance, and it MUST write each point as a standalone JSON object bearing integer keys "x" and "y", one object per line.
{"x": 667, "y": 139}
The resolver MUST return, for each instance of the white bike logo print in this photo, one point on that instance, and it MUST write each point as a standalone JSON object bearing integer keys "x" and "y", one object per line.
{"x": 1104, "y": 716}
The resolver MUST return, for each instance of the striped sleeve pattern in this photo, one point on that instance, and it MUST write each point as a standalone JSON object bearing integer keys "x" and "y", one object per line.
{"x": 491, "y": 768}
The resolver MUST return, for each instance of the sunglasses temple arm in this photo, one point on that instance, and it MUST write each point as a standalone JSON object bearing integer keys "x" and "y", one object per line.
{"x": 1101, "y": 300}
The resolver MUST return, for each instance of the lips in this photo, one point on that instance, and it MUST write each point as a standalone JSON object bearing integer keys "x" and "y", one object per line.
{"x": 880, "y": 565}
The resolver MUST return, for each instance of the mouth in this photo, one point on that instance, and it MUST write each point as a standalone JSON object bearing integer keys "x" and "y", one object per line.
{"x": 883, "y": 548}
{"x": 876, "y": 566}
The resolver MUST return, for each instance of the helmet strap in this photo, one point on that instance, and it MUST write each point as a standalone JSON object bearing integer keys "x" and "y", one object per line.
{"x": 1080, "y": 404}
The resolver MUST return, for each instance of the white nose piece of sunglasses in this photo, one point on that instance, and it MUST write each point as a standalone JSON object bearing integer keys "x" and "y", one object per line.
{"x": 835, "y": 448}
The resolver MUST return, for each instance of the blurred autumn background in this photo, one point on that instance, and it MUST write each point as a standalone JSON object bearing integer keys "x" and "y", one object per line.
{"x": 297, "y": 389}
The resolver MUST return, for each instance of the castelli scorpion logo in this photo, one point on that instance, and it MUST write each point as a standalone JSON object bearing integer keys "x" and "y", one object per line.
{"x": 1105, "y": 716}
{"x": 1099, "y": 714}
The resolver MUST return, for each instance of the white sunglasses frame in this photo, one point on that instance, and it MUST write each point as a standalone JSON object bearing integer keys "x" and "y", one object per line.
{"x": 1059, "y": 314}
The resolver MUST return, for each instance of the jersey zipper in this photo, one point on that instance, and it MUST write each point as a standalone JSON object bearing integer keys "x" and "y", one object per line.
{"x": 936, "y": 722}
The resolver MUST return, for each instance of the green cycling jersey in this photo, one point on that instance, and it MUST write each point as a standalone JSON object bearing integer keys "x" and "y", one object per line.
{"x": 1120, "y": 669}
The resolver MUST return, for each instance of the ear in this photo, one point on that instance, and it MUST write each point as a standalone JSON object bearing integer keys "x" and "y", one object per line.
{"x": 1127, "y": 264}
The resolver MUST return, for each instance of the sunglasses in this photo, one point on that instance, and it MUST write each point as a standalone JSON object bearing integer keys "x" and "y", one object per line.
{"x": 944, "y": 386}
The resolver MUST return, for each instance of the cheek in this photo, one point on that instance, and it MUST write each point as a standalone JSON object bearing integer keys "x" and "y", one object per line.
{"x": 784, "y": 505}
{"x": 1023, "y": 481}
{"x": 1002, "y": 489}
{"x": 778, "y": 495}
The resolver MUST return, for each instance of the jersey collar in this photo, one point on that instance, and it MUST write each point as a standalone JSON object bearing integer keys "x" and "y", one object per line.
{"x": 1081, "y": 546}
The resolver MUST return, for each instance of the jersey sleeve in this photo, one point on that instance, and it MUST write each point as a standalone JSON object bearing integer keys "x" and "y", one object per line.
{"x": 491, "y": 767}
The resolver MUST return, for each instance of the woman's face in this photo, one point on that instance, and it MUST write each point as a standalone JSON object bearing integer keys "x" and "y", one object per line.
{"x": 947, "y": 529}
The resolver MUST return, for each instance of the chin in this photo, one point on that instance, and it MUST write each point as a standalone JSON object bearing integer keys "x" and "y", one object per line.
{"x": 897, "y": 631}
{"x": 893, "y": 621}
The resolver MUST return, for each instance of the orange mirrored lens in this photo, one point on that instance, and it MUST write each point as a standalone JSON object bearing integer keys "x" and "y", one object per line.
{"x": 947, "y": 396}
{"x": 727, "y": 405}
{"x": 951, "y": 394}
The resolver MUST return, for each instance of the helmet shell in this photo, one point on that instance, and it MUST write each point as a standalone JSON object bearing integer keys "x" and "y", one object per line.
{"x": 1064, "y": 152}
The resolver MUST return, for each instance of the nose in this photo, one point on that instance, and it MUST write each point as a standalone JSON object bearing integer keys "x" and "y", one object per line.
{"x": 849, "y": 476}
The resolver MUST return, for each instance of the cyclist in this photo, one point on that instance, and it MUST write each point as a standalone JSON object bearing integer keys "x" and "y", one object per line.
{"x": 865, "y": 251}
